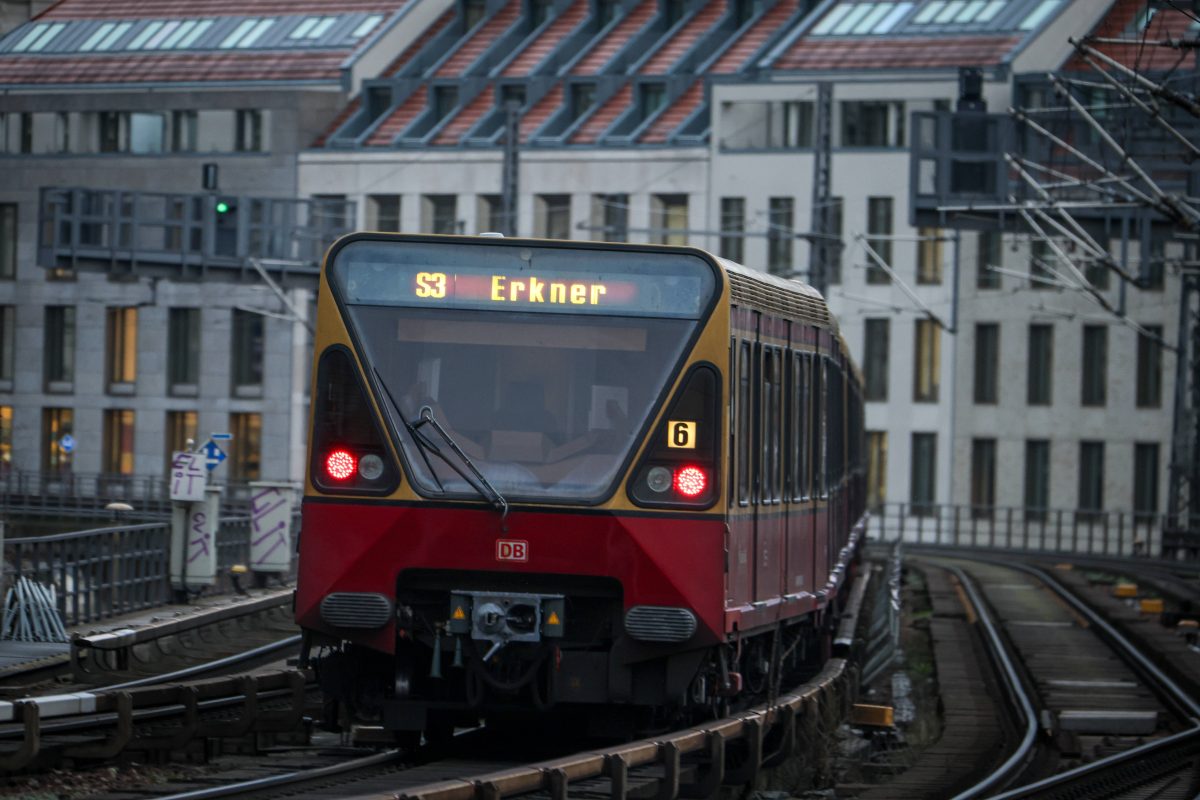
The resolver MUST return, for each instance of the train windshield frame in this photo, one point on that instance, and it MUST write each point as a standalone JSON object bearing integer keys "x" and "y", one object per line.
{"x": 549, "y": 399}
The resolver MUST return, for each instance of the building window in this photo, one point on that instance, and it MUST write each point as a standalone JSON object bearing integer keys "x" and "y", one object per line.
{"x": 1145, "y": 478}
{"x": 247, "y": 355}
{"x": 146, "y": 133}
{"x": 610, "y": 217}
{"x": 1037, "y": 478}
{"x": 987, "y": 362}
{"x": 181, "y": 426}
{"x": 383, "y": 213}
{"x": 6, "y": 423}
{"x": 929, "y": 255}
{"x": 875, "y": 359}
{"x": 58, "y": 351}
{"x": 1095, "y": 364}
{"x": 780, "y": 235}
{"x": 1154, "y": 268}
{"x": 112, "y": 126}
{"x": 8, "y": 343}
{"x": 651, "y": 97}
{"x": 245, "y": 462}
{"x": 669, "y": 219}
{"x": 1091, "y": 477}
{"x": 1097, "y": 275}
{"x": 183, "y": 131}
{"x": 876, "y": 468}
{"x": 774, "y": 125}
{"x": 439, "y": 213}
{"x": 1043, "y": 262}
{"x": 1040, "y": 364}
{"x": 928, "y": 361}
{"x": 183, "y": 351}
{"x": 1149, "y": 367}
{"x": 56, "y": 423}
{"x": 582, "y": 97}
{"x": 988, "y": 255}
{"x": 983, "y": 477}
{"x": 733, "y": 228}
{"x": 8, "y": 240}
{"x": 445, "y": 100}
{"x": 118, "y": 442}
{"x": 553, "y": 217}
{"x": 833, "y": 269}
{"x": 872, "y": 124}
{"x": 923, "y": 487}
{"x": 121, "y": 349}
{"x": 248, "y": 135}
{"x": 879, "y": 223}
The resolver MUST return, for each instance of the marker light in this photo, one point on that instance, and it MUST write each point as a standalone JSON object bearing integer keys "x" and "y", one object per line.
{"x": 370, "y": 466}
{"x": 340, "y": 465}
{"x": 690, "y": 481}
{"x": 659, "y": 479}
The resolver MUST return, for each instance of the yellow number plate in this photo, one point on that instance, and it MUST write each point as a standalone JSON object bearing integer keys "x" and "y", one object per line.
{"x": 681, "y": 435}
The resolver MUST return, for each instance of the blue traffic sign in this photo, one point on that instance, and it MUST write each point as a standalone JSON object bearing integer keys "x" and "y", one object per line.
{"x": 221, "y": 437}
{"x": 213, "y": 455}
{"x": 67, "y": 443}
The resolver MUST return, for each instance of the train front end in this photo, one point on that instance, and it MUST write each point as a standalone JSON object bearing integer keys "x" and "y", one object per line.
{"x": 514, "y": 494}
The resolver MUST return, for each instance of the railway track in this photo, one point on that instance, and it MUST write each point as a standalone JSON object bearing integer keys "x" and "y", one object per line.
{"x": 1095, "y": 716}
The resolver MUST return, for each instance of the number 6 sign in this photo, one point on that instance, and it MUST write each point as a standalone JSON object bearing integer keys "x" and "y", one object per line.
{"x": 681, "y": 435}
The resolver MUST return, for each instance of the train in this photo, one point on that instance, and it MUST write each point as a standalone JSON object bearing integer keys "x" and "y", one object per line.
{"x": 619, "y": 479}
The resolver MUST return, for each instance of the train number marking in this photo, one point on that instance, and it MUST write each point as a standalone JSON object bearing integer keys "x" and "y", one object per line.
{"x": 681, "y": 435}
{"x": 512, "y": 550}
{"x": 431, "y": 284}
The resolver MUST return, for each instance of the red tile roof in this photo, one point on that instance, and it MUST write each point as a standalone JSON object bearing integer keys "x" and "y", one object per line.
{"x": 633, "y": 22}
{"x": 146, "y": 9}
{"x": 674, "y": 116}
{"x": 604, "y": 116}
{"x": 414, "y": 48}
{"x": 1167, "y": 24}
{"x": 683, "y": 39}
{"x": 173, "y": 67}
{"x": 399, "y": 119}
{"x": 346, "y": 113}
{"x": 481, "y": 40}
{"x": 735, "y": 57}
{"x": 538, "y": 49}
{"x": 809, "y": 53}
{"x": 541, "y": 111}
{"x": 457, "y": 127}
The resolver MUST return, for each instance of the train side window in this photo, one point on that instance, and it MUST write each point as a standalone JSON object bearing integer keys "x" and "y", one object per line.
{"x": 789, "y": 423}
{"x": 756, "y": 400}
{"x": 799, "y": 423}
{"x": 775, "y": 426}
{"x": 768, "y": 451}
{"x": 817, "y": 438}
{"x": 743, "y": 422}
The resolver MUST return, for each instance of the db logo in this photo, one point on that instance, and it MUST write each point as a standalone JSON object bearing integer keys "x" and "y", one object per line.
{"x": 512, "y": 550}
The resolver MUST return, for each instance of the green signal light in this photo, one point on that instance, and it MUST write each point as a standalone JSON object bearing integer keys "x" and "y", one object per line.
{"x": 222, "y": 207}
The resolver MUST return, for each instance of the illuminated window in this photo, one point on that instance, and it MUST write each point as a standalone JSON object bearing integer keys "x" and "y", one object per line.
{"x": 247, "y": 355}
{"x": 6, "y": 418}
{"x": 56, "y": 424}
{"x": 245, "y": 460}
{"x": 928, "y": 359}
{"x": 669, "y": 219}
{"x": 122, "y": 349}
{"x": 930, "y": 255}
{"x": 118, "y": 442}
{"x": 876, "y": 468}
{"x": 181, "y": 426}
{"x": 58, "y": 349}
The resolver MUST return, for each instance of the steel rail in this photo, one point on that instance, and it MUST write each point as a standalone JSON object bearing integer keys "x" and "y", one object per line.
{"x": 208, "y": 666}
{"x": 1016, "y": 691}
{"x": 287, "y": 778}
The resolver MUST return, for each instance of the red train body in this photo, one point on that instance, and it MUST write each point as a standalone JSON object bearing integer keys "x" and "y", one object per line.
{"x": 671, "y": 525}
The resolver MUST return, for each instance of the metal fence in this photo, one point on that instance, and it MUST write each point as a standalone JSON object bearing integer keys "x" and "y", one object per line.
{"x": 1099, "y": 533}
{"x": 110, "y": 571}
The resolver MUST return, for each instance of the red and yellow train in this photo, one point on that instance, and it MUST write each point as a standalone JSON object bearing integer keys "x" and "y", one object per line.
{"x": 573, "y": 474}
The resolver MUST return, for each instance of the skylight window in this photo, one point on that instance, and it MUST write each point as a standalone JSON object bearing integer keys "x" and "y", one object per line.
{"x": 856, "y": 14}
{"x": 190, "y": 38}
{"x": 366, "y": 26}
{"x": 108, "y": 41}
{"x": 949, "y": 12}
{"x": 1038, "y": 15}
{"x": 970, "y": 12}
{"x": 301, "y": 30}
{"x": 140, "y": 40}
{"x": 38, "y": 38}
{"x": 868, "y": 22}
{"x": 165, "y": 32}
{"x": 255, "y": 33}
{"x": 894, "y": 17}
{"x": 238, "y": 34}
{"x": 97, "y": 35}
{"x": 831, "y": 19}
{"x": 993, "y": 8}
{"x": 929, "y": 12}
{"x": 322, "y": 26}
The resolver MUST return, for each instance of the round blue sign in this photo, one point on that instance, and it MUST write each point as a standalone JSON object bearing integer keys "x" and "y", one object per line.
{"x": 67, "y": 443}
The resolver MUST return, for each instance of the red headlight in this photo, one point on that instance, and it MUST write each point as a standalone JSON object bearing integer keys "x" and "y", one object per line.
{"x": 690, "y": 481}
{"x": 340, "y": 465}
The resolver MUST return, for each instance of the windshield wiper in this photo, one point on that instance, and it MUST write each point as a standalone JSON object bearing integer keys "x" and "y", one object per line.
{"x": 424, "y": 446}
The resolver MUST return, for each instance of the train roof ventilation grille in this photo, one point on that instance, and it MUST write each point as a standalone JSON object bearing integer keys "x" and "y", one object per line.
{"x": 747, "y": 291}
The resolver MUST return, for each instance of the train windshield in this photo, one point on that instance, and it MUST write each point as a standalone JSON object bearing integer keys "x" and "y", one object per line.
{"x": 548, "y": 404}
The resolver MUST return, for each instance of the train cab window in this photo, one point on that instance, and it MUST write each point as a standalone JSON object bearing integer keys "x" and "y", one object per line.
{"x": 743, "y": 422}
